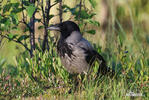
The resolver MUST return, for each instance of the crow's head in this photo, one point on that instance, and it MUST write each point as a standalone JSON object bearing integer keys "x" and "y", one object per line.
{"x": 66, "y": 28}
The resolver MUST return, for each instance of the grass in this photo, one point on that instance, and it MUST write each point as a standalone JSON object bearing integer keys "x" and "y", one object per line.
{"x": 44, "y": 77}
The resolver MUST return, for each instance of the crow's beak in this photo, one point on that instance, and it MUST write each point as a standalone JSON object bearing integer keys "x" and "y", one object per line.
{"x": 54, "y": 27}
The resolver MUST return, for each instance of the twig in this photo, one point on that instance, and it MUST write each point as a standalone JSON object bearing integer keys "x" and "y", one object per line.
{"x": 54, "y": 4}
{"x": 43, "y": 12}
{"x": 32, "y": 26}
{"x": 46, "y": 18}
{"x": 45, "y": 26}
{"x": 23, "y": 15}
{"x": 80, "y": 6}
{"x": 60, "y": 11}
{"x": 19, "y": 42}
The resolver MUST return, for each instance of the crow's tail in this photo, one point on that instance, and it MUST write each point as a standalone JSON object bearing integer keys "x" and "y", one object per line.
{"x": 103, "y": 68}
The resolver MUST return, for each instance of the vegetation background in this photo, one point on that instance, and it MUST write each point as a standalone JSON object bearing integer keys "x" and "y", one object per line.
{"x": 29, "y": 65}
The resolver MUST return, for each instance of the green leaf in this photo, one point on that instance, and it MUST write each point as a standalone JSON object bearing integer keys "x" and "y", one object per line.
{"x": 12, "y": 36}
{"x": 83, "y": 14}
{"x": 37, "y": 20}
{"x": 72, "y": 10}
{"x": 14, "y": 19}
{"x": 2, "y": 62}
{"x": 26, "y": 29}
{"x": 5, "y": 23}
{"x": 51, "y": 16}
{"x": 57, "y": 1}
{"x": 96, "y": 23}
{"x": 14, "y": 28}
{"x": 91, "y": 31}
{"x": 26, "y": 3}
{"x": 41, "y": 27}
{"x": 93, "y": 3}
{"x": 7, "y": 7}
{"x": 15, "y": 5}
{"x": 92, "y": 15}
{"x": 30, "y": 10}
{"x": 65, "y": 6}
{"x": 16, "y": 10}
{"x": 23, "y": 37}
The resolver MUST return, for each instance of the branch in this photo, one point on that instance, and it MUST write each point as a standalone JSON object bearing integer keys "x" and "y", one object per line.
{"x": 47, "y": 11}
{"x": 54, "y": 4}
{"x": 19, "y": 42}
{"x": 46, "y": 18}
{"x": 38, "y": 1}
{"x": 43, "y": 13}
{"x": 32, "y": 26}
{"x": 80, "y": 6}
{"x": 60, "y": 11}
{"x": 23, "y": 15}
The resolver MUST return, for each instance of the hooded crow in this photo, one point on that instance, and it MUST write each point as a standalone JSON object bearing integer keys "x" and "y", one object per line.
{"x": 76, "y": 53}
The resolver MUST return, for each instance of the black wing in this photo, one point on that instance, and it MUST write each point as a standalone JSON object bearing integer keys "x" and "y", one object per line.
{"x": 92, "y": 56}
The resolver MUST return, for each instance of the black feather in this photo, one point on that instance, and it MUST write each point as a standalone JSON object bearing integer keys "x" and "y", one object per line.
{"x": 67, "y": 28}
{"x": 103, "y": 69}
{"x": 63, "y": 48}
